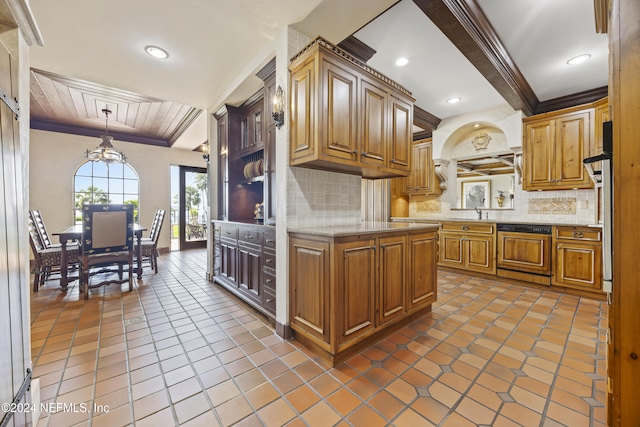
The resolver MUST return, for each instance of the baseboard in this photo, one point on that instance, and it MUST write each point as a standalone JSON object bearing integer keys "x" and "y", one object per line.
{"x": 164, "y": 251}
{"x": 284, "y": 331}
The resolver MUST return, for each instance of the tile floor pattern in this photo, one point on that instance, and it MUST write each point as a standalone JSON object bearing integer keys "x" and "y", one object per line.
{"x": 180, "y": 351}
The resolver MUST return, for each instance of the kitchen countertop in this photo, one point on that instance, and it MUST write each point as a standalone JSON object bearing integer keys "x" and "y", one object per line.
{"x": 362, "y": 228}
{"x": 486, "y": 221}
{"x": 243, "y": 223}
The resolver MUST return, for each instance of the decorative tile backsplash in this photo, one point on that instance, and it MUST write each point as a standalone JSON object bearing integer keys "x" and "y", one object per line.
{"x": 553, "y": 206}
{"x": 433, "y": 205}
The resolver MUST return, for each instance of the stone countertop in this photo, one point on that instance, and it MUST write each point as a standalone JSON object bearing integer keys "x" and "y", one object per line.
{"x": 486, "y": 221}
{"x": 243, "y": 223}
{"x": 362, "y": 228}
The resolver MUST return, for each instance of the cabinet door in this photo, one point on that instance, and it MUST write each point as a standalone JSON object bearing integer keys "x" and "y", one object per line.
{"x": 572, "y": 145}
{"x": 374, "y": 123}
{"x": 422, "y": 269}
{"x": 249, "y": 269}
{"x": 539, "y": 172}
{"x": 480, "y": 254}
{"x": 410, "y": 183}
{"x": 401, "y": 134}
{"x": 270, "y": 189}
{"x": 392, "y": 277}
{"x": 309, "y": 287}
{"x": 451, "y": 254}
{"x": 524, "y": 252}
{"x": 223, "y": 168}
{"x": 302, "y": 142}
{"x": 356, "y": 283}
{"x": 228, "y": 260}
{"x": 339, "y": 118}
{"x": 578, "y": 266}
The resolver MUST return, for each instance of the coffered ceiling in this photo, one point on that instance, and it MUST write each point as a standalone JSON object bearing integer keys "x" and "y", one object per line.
{"x": 487, "y": 52}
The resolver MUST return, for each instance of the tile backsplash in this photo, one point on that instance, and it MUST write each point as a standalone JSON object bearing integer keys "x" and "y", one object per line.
{"x": 557, "y": 207}
{"x": 322, "y": 198}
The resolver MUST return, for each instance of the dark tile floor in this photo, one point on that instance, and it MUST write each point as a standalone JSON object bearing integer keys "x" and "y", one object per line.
{"x": 180, "y": 351}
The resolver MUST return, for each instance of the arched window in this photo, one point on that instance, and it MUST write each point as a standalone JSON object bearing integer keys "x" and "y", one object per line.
{"x": 97, "y": 182}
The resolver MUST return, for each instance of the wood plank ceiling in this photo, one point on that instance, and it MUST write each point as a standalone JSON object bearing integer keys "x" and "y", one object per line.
{"x": 62, "y": 104}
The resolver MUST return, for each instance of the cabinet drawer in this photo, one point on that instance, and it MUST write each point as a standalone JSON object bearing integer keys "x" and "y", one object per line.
{"x": 269, "y": 301}
{"x": 269, "y": 239}
{"x": 468, "y": 227}
{"x": 228, "y": 231}
{"x": 269, "y": 281}
{"x": 578, "y": 233}
{"x": 250, "y": 236}
{"x": 269, "y": 260}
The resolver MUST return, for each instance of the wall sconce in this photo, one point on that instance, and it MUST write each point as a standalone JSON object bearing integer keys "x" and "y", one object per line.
{"x": 206, "y": 150}
{"x": 278, "y": 107}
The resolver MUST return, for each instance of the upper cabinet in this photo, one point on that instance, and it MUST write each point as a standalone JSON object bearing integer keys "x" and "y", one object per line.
{"x": 554, "y": 146}
{"x": 423, "y": 179}
{"x": 246, "y": 157}
{"x": 346, "y": 117}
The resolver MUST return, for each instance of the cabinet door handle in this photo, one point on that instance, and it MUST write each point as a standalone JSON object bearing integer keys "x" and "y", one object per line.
{"x": 269, "y": 241}
{"x": 268, "y": 261}
{"x": 217, "y": 230}
{"x": 578, "y": 234}
{"x": 268, "y": 281}
{"x": 465, "y": 227}
{"x": 269, "y": 300}
{"x": 354, "y": 152}
{"x": 248, "y": 237}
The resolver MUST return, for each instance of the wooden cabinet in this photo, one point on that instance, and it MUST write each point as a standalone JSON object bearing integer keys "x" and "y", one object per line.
{"x": 577, "y": 258}
{"x": 356, "y": 288}
{"x": 228, "y": 119}
{"x": 268, "y": 75}
{"x": 392, "y": 276}
{"x": 246, "y": 156}
{"x": 423, "y": 259}
{"x": 348, "y": 291}
{"x": 246, "y": 256}
{"x": 422, "y": 179}
{"x": 345, "y": 117}
{"x": 251, "y": 130}
{"x": 468, "y": 246}
{"x": 554, "y": 146}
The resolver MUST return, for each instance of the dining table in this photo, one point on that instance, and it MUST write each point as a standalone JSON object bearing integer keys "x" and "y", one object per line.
{"x": 74, "y": 234}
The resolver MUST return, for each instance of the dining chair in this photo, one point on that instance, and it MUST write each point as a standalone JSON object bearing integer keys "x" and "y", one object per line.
{"x": 107, "y": 242}
{"x": 42, "y": 229}
{"x": 149, "y": 245}
{"x": 47, "y": 260}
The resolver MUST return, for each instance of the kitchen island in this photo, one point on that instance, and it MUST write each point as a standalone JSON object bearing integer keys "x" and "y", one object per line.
{"x": 351, "y": 285}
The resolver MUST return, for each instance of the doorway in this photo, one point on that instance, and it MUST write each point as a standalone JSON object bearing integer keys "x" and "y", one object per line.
{"x": 189, "y": 207}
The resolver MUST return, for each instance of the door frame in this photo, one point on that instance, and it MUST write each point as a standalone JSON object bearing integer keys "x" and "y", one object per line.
{"x": 184, "y": 244}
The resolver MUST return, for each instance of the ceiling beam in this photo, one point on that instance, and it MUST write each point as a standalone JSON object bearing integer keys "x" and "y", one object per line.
{"x": 467, "y": 27}
{"x": 424, "y": 119}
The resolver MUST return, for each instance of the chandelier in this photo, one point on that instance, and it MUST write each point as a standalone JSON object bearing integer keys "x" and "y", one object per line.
{"x": 105, "y": 152}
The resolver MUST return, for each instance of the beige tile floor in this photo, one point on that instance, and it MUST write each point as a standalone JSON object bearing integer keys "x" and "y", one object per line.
{"x": 180, "y": 351}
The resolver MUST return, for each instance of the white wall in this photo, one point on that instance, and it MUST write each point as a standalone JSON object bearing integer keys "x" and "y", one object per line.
{"x": 55, "y": 157}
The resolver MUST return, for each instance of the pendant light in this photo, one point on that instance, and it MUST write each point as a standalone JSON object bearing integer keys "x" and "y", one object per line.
{"x": 105, "y": 152}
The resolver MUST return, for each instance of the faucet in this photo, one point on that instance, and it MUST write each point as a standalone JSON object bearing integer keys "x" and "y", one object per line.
{"x": 479, "y": 211}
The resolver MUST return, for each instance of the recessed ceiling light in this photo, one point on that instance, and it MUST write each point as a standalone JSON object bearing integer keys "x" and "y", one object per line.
{"x": 578, "y": 59}
{"x": 401, "y": 62}
{"x": 454, "y": 100}
{"x": 156, "y": 52}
